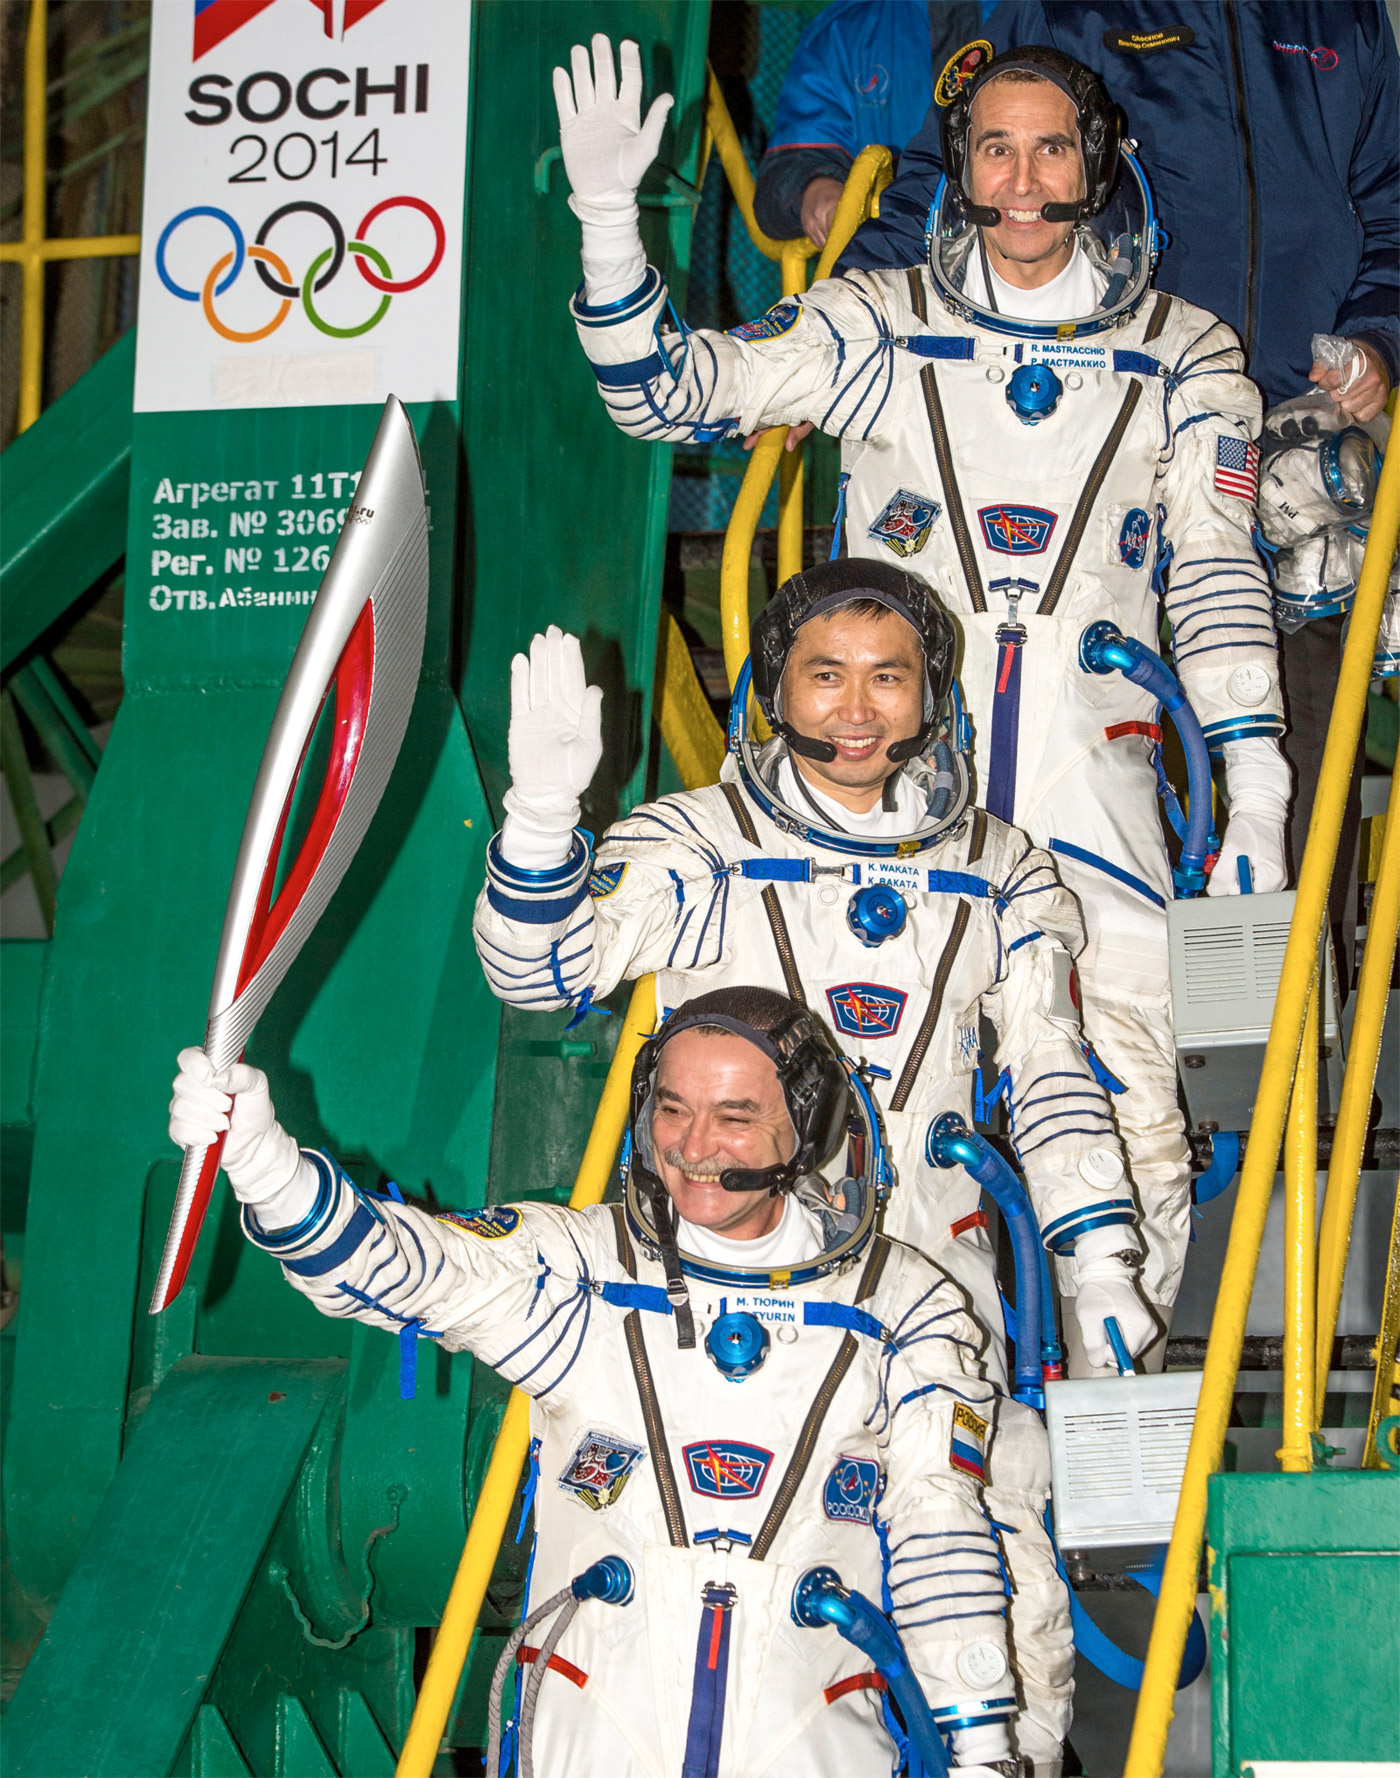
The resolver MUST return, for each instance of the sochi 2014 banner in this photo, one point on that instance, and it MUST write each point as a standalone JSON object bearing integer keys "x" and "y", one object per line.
{"x": 302, "y": 232}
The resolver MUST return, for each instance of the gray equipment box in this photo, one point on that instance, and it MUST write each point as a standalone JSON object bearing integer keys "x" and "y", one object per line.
{"x": 1226, "y": 959}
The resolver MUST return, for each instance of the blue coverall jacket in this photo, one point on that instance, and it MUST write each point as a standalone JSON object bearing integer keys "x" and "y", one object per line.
{"x": 1270, "y": 134}
{"x": 862, "y": 72}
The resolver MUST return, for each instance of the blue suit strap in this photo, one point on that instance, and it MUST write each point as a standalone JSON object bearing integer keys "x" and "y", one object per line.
{"x": 629, "y": 376}
{"x": 844, "y": 1315}
{"x": 1126, "y": 877}
{"x": 650, "y": 1297}
{"x": 777, "y": 870}
{"x": 939, "y": 345}
{"x": 958, "y": 882}
{"x": 316, "y": 1265}
{"x": 1142, "y": 364}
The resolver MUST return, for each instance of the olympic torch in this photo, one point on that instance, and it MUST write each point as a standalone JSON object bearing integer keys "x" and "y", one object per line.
{"x": 364, "y": 642}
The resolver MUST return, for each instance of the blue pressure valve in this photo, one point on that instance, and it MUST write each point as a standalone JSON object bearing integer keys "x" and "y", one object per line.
{"x": 1034, "y": 393}
{"x": 819, "y": 1599}
{"x": 609, "y": 1579}
{"x": 876, "y": 913}
{"x": 738, "y": 1343}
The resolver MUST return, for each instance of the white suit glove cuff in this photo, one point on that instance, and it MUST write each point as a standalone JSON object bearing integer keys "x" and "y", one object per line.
{"x": 538, "y": 832}
{"x": 1258, "y": 787}
{"x": 981, "y": 1746}
{"x": 1257, "y": 778}
{"x": 1101, "y": 1244}
{"x": 614, "y": 260}
{"x": 286, "y": 1205}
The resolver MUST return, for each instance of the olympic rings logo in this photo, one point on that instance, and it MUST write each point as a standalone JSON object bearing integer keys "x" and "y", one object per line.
{"x": 272, "y": 269}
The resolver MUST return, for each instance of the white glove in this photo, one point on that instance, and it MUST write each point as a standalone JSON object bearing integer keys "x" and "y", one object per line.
{"x": 606, "y": 149}
{"x": 556, "y": 742}
{"x": 1258, "y": 788}
{"x": 1107, "y": 1287}
{"x": 265, "y": 1167}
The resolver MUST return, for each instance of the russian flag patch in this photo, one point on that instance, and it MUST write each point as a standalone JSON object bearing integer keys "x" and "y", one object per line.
{"x": 967, "y": 1449}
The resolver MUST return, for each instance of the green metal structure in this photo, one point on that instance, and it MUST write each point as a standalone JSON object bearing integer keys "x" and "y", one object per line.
{"x": 1305, "y": 1631}
{"x": 226, "y": 1524}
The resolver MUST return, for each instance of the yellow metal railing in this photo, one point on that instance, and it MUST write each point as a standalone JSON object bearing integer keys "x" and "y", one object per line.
{"x": 868, "y": 177}
{"x": 492, "y": 1510}
{"x": 696, "y": 745}
{"x": 33, "y": 252}
{"x": 1291, "y": 1055}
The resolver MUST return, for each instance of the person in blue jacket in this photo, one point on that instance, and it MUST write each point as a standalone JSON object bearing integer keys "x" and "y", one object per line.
{"x": 1271, "y": 136}
{"x": 864, "y": 71}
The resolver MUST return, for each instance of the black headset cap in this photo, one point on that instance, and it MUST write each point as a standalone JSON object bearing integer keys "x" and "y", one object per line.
{"x": 825, "y": 588}
{"x": 1101, "y": 130}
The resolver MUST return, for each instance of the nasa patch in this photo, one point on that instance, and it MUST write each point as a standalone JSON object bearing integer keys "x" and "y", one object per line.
{"x": 905, "y": 522}
{"x": 1134, "y": 537}
{"x": 598, "y": 1470}
{"x": 725, "y": 1469}
{"x": 780, "y": 319}
{"x": 851, "y": 1490}
{"x": 866, "y": 1009}
{"x": 492, "y": 1222}
{"x": 606, "y": 880}
{"x": 960, "y": 67}
{"x": 967, "y": 1449}
{"x": 1016, "y": 530}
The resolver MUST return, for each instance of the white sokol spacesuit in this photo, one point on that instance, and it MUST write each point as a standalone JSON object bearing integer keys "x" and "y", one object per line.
{"x": 1041, "y": 470}
{"x": 828, "y": 1411}
{"x": 754, "y": 880}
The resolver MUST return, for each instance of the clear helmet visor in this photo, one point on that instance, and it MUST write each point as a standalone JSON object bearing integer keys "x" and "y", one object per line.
{"x": 940, "y": 779}
{"x": 844, "y": 1194}
{"x": 1122, "y": 243}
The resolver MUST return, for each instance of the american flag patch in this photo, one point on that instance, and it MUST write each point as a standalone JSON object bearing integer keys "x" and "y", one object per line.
{"x": 1236, "y": 467}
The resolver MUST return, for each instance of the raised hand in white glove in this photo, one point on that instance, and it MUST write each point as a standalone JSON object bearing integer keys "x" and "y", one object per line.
{"x": 1107, "y": 1287}
{"x": 604, "y": 142}
{"x": 264, "y": 1165}
{"x": 606, "y": 149}
{"x": 1258, "y": 788}
{"x": 555, "y": 744}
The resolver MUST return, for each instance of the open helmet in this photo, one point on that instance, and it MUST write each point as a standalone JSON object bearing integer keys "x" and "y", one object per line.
{"x": 1116, "y": 221}
{"x": 835, "y": 1124}
{"x": 936, "y": 756}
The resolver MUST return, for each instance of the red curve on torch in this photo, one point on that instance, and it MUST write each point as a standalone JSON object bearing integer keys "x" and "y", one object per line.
{"x": 354, "y": 685}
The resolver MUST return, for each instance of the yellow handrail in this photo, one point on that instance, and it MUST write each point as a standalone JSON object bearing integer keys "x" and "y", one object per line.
{"x": 1300, "y": 1251}
{"x": 693, "y": 738}
{"x": 730, "y": 150}
{"x": 488, "y": 1521}
{"x": 33, "y": 251}
{"x": 871, "y": 172}
{"x": 1354, "y": 1110}
{"x": 1147, "y": 1748}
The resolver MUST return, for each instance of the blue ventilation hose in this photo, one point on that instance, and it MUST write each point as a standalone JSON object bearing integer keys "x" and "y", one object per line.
{"x": 819, "y": 1598}
{"x": 951, "y": 1144}
{"x": 1102, "y": 648}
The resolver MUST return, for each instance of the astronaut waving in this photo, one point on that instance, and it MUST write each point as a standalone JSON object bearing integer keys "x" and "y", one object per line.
{"x": 1049, "y": 443}
{"x": 740, "y": 1390}
{"x": 840, "y": 861}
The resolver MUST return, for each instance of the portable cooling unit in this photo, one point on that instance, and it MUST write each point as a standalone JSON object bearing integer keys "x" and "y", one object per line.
{"x": 1226, "y": 959}
{"x": 1117, "y": 1455}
